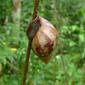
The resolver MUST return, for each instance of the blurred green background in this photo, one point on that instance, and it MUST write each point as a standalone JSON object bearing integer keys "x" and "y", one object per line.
{"x": 67, "y": 66}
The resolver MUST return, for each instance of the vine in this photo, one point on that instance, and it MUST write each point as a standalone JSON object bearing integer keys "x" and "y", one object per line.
{"x": 36, "y": 4}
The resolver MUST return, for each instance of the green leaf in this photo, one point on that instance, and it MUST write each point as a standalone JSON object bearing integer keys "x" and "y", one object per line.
{"x": 82, "y": 37}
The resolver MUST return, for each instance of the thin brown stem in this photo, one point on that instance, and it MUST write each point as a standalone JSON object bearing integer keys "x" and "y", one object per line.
{"x": 26, "y": 63}
{"x": 36, "y": 4}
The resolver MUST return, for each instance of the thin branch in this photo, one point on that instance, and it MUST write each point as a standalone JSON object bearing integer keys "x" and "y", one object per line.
{"x": 36, "y": 4}
{"x": 26, "y": 63}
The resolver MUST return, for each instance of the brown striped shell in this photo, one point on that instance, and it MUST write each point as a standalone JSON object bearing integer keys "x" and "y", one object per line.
{"x": 45, "y": 40}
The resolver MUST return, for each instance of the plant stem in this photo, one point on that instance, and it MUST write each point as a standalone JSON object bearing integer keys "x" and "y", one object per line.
{"x": 26, "y": 63}
{"x": 36, "y": 4}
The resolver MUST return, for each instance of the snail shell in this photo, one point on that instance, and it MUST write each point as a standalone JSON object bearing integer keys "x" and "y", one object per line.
{"x": 44, "y": 40}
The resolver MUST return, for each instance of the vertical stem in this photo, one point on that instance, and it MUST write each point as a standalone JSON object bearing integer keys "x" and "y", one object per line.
{"x": 26, "y": 63}
{"x": 36, "y": 4}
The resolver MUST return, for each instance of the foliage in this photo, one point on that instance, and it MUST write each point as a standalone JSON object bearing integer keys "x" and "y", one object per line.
{"x": 67, "y": 67}
{"x": 5, "y": 8}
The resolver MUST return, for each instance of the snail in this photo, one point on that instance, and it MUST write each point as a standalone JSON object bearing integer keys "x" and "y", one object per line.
{"x": 44, "y": 38}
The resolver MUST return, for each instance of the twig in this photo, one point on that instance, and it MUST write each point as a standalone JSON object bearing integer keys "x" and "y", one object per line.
{"x": 36, "y": 4}
{"x": 26, "y": 63}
